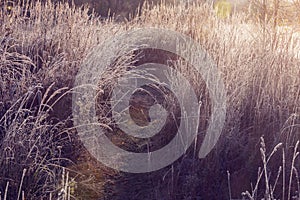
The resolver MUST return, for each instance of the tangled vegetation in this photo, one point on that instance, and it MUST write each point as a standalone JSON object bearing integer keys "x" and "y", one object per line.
{"x": 42, "y": 46}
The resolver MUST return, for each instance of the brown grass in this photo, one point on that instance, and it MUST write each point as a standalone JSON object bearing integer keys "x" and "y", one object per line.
{"x": 41, "y": 54}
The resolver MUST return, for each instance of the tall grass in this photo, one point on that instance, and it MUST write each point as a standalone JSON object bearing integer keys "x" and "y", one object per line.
{"x": 42, "y": 47}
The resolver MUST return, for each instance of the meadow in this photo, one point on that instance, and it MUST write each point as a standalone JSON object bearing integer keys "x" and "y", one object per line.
{"x": 256, "y": 49}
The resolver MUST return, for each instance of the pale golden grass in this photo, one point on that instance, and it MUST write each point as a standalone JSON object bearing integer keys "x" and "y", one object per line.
{"x": 259, "y": 61}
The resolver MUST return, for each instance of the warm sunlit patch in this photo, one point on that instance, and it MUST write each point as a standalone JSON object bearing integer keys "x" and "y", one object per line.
{"x": 223, "y": 8}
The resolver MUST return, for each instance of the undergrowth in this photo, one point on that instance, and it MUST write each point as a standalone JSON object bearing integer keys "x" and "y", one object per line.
{"x": 42, "y": 47}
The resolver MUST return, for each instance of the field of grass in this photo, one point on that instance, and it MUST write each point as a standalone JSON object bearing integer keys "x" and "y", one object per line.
{"x": 42, "y": 47}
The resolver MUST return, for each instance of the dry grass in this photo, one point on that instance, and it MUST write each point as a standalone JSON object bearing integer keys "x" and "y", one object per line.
{"x": 41, "y": 54}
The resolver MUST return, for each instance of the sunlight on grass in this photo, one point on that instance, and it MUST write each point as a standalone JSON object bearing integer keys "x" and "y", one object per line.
{"x": 256, "y": 48}
{"x": 223, "y": 8}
